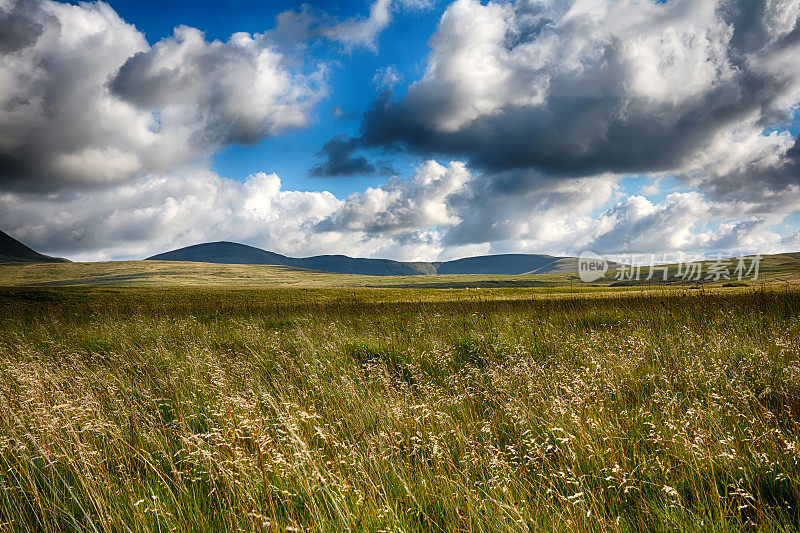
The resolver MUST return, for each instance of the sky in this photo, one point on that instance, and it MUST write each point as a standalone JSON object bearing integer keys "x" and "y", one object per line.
{"x": 407, "y": 129}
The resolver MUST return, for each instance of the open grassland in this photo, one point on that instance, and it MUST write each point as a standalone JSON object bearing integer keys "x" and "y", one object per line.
{"x": 782, "y": 268}
{"x": 188, "y": 409}
{"x": 182, "y": 273}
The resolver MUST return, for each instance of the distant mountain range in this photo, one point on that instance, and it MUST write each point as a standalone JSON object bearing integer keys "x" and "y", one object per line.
{"x": 13, "y": 251}
{"x": 234, "y": 253}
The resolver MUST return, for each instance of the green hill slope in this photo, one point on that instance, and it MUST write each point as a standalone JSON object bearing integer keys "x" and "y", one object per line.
{"x": 241, "y": 254}
{"x": 13, "y": 251}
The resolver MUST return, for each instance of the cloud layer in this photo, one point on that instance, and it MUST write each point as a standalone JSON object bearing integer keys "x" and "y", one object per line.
{"x": 441, "y": 212}
{"x": 585, "y": 87}
{"x": 528, "y": 119}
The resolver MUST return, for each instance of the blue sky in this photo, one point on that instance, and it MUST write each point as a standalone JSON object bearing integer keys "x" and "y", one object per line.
{"x": 547, "y": 126}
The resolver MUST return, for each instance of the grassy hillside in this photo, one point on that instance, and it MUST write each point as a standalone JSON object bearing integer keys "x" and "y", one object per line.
{"x": 219, "y": 409}
{"x": 185, "y": 273}
{"x": 153, "y": 273}
{"x": 241, "y": 254}
{"x": 235, "y": 253}
{"x": 162, "y": 273}
{"x": 774, "y": 269}
{"x": 226, "y": 253}
{"x": 492, "y": 264}
{"x": 13, "y": 251}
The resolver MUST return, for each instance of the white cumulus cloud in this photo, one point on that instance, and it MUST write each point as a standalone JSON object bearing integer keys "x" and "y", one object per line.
{"x": 85, "y": 101}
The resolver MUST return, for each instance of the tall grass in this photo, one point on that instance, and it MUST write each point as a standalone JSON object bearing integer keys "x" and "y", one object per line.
{"x": 179, "y": 410}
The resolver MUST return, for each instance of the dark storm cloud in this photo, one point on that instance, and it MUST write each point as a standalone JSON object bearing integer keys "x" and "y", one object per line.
{"x": 773, "y": 186}
{"x": 572, "y": 134}
{"x": 751, "y": 26}
{"x": 339, "y": 160}
{"x": 17, "y": 29}
{"x": 57, "y": 126}
{"x": 601, "y": 114}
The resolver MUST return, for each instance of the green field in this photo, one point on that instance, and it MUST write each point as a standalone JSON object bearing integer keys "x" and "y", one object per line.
{"x": 781, "y": 268}
{"x": 172, "y": 273}
{"x": 223, "y": 409}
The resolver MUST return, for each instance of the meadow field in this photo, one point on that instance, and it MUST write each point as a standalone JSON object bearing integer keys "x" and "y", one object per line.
{"x": 778, "y": 268}
{"x": 221, "y": 409}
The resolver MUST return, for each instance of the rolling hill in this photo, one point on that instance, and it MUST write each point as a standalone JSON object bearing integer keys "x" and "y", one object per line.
{"x": 564, "y": 265}
{"x": 496, "y": 264}
{"x": 229, "y": 253}
{"x": 241, "y": 254}
{"x": 13, "y": 251}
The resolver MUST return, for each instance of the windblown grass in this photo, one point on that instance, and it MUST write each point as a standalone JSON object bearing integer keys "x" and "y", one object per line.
{"x": 201, "y": 410}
